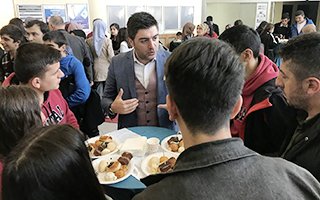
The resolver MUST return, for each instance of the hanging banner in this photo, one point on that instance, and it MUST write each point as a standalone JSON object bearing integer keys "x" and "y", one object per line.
{"x": 78, "y": 13}
{"x": 261, "y": 14}
{"x": 54, "y": 10}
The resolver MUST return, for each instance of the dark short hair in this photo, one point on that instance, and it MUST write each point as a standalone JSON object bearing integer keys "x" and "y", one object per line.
{"x": 56, "y": 37}
{"x": 303, "y": 52}
{"x": 209, "y": 19}
{"x": 14, "y": 32}
{"x": 80, "y": 33}
{"x": 285, "y": 16}
{"x": 20, "y": 111}
{"x": 178, "y": 33}
{"x": 205, "y": 79}
{"x": 299, "y": 12}
{"x": 51, "y": 163}
{"x": 16, "y": 21}
{"x": 32, "y": 60}
{"x": 241, "y": 38}
{"x": 140, "y": 20}
{"x": 238, "y": 22}
{"x": 43, "y": 26}
{"x": 19, "y": 23}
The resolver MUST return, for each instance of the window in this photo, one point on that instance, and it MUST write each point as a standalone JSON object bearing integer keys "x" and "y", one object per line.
{"x": 186, "y": 15}
{"x": 134, "y": 9}
{"x": 156, "y": 12}
{"x": 170, "y": 15}
{"x": 116, "y": 15}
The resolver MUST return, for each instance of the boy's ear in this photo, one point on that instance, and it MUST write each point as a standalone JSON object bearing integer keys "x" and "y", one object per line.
{"x": 237, "y": 107}
{"x": 63, "y": 48}
{"x": 172, "y": 108}
{"x": 35, "y": 82}
{"x": 247, "y": 54}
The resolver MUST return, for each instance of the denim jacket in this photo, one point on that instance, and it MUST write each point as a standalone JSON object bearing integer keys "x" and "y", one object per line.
{"x": 226, "y": 169}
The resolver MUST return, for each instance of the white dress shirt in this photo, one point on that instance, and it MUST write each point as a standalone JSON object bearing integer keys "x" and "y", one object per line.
{"x": 300, "y": 26}
{"x": 143, "y": 71}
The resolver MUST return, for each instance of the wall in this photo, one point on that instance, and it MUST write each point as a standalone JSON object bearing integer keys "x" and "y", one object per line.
{"x": 227, "y": 13}
{"x": 277, "y": 12}
{"x": 45, "y": 2}
{"x": 38, "y": 2}
{"x": 224, "y": 12}
{"x": 7, "y": 12}
{"x": 98, "y": 8}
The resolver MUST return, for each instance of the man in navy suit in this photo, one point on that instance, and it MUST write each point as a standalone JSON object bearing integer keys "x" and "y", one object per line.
{"x": 135, "y": 85}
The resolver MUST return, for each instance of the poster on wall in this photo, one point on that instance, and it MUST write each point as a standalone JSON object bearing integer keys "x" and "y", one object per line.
{"x": 261, "y": 14}
{"x": 54, "y": 10}
{"x": 30, "y": 11}
{"x": 78, "y": 13}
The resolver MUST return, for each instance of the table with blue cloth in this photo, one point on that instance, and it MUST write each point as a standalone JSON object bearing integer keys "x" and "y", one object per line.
{"x": 127, "y": 188}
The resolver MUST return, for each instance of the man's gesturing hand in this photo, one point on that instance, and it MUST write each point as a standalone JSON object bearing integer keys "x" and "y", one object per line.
{"x": 121, "y": 106}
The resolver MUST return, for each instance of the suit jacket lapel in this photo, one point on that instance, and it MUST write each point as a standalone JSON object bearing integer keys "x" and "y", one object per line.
{"x": 131, "y": 75}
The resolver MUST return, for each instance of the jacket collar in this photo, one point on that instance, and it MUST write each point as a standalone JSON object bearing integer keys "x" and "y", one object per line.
{"x": 205, "y": 155}
{"x": 212, "y": 153}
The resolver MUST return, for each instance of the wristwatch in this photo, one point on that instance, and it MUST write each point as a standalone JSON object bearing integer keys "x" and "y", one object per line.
{"x": 111, "y": 111}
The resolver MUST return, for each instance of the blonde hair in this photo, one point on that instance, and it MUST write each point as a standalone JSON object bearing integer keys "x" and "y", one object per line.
{"x": 204, "y": 27}
{"x": 188, "y": 29}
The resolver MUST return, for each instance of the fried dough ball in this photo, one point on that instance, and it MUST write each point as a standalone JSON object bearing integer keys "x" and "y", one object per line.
{"x": 174, "y": 147}
{"x": 181, "y": 143}
{"x": 163, "y": 159}
{"x": 124, "y": 168}
{"x": 105, "y": 138}
{"x": 181, "y": 149}
{"x": 98, "y": 143}
{"x": 115, "y": 166}
{"x": 120, "y": 173}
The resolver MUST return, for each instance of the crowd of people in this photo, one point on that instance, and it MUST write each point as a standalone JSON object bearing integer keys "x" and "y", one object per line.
{"x": 249, "y": 126}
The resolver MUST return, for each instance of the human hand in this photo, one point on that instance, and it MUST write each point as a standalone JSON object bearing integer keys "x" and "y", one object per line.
{"x": 121, "y": 106}
{"x": 163, "y": 106}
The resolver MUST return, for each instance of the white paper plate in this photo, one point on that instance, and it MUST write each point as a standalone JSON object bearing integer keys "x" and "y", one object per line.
{"x": 111, "y": 158}
{"x": 93, "y": 139}
{"x": 145, "y": 162}
{"x": 165, "y": 146}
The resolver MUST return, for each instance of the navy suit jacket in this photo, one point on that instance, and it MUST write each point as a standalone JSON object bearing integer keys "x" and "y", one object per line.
{"x": 121, "y": 74}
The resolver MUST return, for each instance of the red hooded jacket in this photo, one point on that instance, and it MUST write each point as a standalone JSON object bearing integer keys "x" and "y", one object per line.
{"x": 265, "y": 119}
{"x": 266, "y": 71}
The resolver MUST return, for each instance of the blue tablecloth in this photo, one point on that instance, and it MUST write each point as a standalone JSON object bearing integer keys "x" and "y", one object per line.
{"x": 148, "y": 131}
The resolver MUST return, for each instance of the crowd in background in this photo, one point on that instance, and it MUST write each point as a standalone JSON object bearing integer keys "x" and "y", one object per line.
{"x": 239, "y": 96}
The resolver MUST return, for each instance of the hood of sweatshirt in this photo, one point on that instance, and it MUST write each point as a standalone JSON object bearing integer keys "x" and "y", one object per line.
{"x": 265, "y": 71}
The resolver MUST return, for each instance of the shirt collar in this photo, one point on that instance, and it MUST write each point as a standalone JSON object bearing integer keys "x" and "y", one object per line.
{"x": 135, "y": 59}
